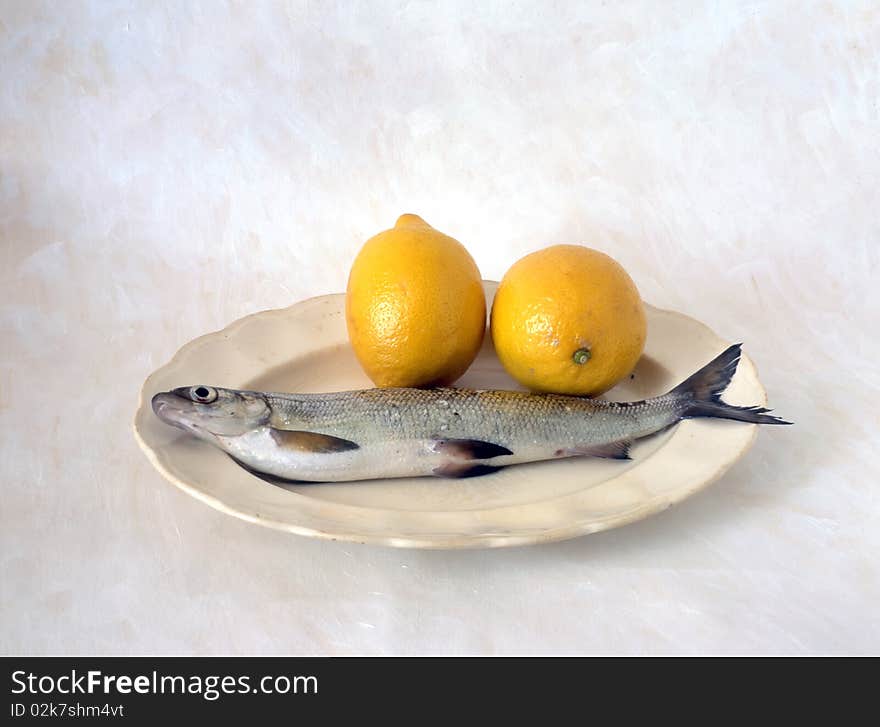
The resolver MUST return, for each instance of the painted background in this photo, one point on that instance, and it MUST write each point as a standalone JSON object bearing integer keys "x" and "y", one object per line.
{"x": 166, "y": 167}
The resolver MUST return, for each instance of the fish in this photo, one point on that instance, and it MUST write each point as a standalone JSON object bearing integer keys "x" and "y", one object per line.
{"x": 443, "y": 432}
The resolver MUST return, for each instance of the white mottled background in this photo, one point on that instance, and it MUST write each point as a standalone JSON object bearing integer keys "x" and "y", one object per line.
{"x": 166, "y": 167}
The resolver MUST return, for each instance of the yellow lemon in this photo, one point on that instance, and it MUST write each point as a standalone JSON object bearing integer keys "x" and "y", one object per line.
{"x": 415, "y": 307}
{"x": 568, "y": 320}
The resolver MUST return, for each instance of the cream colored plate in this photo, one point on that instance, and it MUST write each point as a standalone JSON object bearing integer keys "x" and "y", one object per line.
{"x": 305, "y": 348}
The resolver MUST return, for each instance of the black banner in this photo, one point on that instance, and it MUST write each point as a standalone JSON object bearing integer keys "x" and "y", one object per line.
{"x": 141, "y": 689}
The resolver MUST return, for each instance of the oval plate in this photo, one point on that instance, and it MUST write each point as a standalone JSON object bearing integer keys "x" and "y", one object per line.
{"x": 305, "y": 348}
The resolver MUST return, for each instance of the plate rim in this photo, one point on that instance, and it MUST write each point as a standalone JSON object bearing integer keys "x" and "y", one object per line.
{"x": 571, "y": 529}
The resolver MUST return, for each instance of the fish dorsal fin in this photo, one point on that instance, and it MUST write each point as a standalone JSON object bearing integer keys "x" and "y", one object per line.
{"x": 468, "y": 449}
{"x": 301, "y": 441}
{"x": 609, "y": 450}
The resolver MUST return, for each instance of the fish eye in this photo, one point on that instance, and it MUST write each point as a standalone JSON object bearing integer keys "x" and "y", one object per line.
{"x": 203, "y": 394}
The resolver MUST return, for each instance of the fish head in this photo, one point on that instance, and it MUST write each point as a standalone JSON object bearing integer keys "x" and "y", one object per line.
{"x": 209, "y": 411}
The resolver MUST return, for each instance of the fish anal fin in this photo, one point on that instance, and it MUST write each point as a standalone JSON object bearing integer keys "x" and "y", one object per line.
{"x": 301, "y": 441}
{"x": 468, "y": 449}
{"x": 461, "y": 470}
{"x": 609, "y": 450}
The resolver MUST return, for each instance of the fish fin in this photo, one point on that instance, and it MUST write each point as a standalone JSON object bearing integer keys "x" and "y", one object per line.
{"x": 313, "y": 442}
{"x": 464, "y": 469}
{"x": 709, "y": 382}
{"x": 468, "y": 449}
{"x": 610, "y": 450}
{"x": 722, "y": 410}
{"x": 701, "y": 392}
{"x": 271, "y": 479}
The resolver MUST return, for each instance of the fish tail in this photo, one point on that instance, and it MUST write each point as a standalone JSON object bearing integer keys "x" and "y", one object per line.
{"x": 700, "y": 394}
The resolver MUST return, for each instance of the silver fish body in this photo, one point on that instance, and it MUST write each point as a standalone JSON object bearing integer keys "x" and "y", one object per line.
{"x": 359, "y": 435}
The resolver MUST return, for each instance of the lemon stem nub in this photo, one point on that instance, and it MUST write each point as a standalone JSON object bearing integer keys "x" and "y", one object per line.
{"x": 581, "y": 356}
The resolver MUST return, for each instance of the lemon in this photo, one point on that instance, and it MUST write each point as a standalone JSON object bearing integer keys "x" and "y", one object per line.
{"x": 569, "y": 320}
{"x": 415, "y": 307}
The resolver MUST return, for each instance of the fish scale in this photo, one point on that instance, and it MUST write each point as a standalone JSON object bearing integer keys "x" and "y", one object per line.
{"x": 503, "y": 417}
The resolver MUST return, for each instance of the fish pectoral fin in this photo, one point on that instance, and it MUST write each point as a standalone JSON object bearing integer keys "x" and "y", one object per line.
{"x": 463, "y": 469}
{"x": 468, "y": 449}
{"x": 301, "y": 441}
{"x": 610, "y": 450}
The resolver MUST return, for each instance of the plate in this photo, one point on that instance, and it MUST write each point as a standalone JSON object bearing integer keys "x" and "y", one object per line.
{"x": 305, "y": 348}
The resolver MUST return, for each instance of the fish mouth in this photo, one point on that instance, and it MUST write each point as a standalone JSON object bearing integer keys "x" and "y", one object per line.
{"x": 172, "y": 409}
